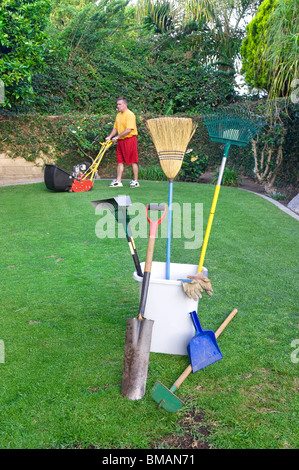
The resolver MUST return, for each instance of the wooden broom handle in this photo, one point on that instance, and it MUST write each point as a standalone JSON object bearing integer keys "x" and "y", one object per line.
{"x": 188, "y": 370}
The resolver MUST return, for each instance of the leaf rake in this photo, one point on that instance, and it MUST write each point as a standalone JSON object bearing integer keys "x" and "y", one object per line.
{"x": 230, "y": 126}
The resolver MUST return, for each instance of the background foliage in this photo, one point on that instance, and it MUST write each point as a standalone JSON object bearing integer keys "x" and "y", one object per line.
{"x": 270, "y": 49}
{"x": 74, "y": 59}
{"x": 95, "y": 53}
{"x": 255, "y": 69}
{"x": 70, "y": 138}
{"x": 22, "y": 45}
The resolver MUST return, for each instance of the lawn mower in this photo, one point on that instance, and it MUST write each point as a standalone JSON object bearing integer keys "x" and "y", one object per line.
{"x": 80, "y": 180}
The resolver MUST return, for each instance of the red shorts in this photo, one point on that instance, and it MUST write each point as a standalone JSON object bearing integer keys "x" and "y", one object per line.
{"x": 126, "y": 150}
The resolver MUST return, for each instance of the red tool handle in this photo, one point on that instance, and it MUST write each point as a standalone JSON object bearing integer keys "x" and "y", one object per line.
{"x": 155, "y": 223}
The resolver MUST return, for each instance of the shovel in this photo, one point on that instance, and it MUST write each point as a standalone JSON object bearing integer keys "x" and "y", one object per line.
{"x": 139, "y": 329}
{"x": 119, "y": 211}
{"x": 203, "y": 348}
{"x": 164, "y": 396}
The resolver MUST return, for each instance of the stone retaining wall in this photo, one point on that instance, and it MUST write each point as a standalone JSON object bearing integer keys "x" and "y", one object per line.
{"x": 18, "y": 170}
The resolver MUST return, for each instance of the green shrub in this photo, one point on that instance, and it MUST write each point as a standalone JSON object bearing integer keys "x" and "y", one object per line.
{"x": 231, "y": 177}
{"x": 150, "y": 173}
{"x": 193, "y": 166}
{"x": 278, "y": 196}
{"x": 87, "y": 134}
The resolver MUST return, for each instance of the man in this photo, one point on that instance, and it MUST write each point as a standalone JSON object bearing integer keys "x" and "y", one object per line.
{"x": 124, "y": 132}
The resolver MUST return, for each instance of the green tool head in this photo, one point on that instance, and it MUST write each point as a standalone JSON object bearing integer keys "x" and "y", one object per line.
{"x": 117, "y": 205}
{"x": 116, "y": 202}
{"x": 232, "y": 125}
{"x": 165, "y": 398}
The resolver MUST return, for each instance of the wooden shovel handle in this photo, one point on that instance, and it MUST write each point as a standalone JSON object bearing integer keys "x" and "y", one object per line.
{"x": 188, "y": 370}
{"x": 149, "y": 253}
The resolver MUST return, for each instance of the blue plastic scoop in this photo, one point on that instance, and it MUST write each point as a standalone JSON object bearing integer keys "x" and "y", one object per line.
{"x": 203, "y": 348}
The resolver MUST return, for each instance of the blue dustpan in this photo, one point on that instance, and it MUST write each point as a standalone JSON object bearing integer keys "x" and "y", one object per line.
{"x": 203, "y": 348}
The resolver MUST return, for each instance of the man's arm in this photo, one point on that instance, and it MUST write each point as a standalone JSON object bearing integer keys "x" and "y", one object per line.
{"x": 112, "y": 134}
{"x": 121, "y": 135}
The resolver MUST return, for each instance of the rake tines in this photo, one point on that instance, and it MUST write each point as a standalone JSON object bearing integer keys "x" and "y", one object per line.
{"x": 235, "y": 126}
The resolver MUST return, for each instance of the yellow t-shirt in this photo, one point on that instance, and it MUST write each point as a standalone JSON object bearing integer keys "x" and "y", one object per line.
{"x": 124, "y": 121}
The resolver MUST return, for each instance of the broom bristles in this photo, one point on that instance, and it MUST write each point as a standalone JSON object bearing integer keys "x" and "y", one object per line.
{"x": 171, "y": 137}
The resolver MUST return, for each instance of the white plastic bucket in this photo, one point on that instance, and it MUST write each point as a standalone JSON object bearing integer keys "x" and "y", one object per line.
{"x": 169, "y": 307}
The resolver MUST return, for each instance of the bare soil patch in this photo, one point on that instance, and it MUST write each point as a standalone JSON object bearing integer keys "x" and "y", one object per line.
{"x": 193, "y": 434}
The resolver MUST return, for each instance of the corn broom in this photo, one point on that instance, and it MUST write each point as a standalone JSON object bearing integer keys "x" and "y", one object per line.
{"x": 171, "y": 136}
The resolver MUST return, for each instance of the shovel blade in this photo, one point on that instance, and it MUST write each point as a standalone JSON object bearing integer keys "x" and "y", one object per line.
{"x": 165, "y": 398}
{"x": 136, "y": 357}
{"x": 203, "y": 350}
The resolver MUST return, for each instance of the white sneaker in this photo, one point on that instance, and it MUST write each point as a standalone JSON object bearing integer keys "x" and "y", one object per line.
{"x": 115, "y": 184}
{"x": 134, "y": 184}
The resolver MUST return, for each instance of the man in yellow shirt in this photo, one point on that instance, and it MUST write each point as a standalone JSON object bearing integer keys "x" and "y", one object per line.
{"x": 125, "y": 133}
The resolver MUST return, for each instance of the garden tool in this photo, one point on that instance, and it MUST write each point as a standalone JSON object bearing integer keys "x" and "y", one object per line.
{"x": 230, "y": 126}
{"x": 166, "y": 397}
{"x": 171, "y": 136}
{"x": 56, "y": 179}
{"x": 203, "y": 348}
{"x": 139, "y": 329}
{"x": 118, "y": 205}
{"x": 85, "y": 181}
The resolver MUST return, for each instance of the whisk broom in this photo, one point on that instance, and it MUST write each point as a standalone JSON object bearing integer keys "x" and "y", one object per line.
{"x": 171, "y": 136}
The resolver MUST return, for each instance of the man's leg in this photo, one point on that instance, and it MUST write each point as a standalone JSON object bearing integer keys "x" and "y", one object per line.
{"x": 120, "y": 170}
{"x": 135, "y": 171}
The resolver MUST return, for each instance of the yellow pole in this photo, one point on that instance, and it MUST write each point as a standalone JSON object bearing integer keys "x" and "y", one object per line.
{"x": 93, "y": 168}
{"x": 213, "y": 208}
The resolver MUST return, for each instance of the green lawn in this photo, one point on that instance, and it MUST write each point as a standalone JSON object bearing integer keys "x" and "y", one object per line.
{"x": 65, "y": 297}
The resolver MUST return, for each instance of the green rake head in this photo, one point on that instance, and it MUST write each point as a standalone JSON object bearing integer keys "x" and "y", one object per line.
{"x": 235, "y": 126}
{"x": 166, "y": 398}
